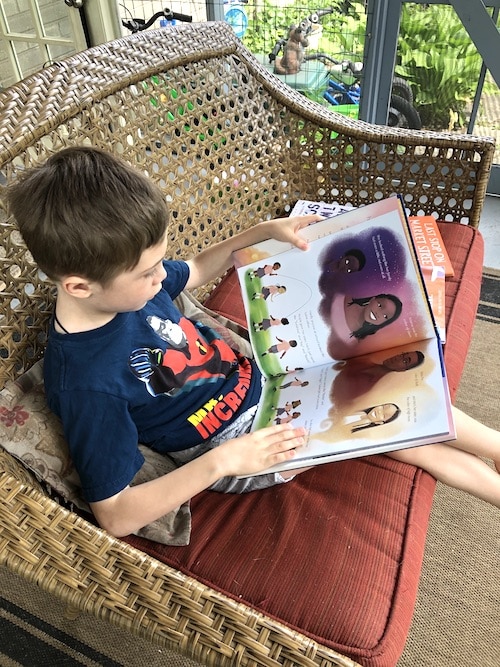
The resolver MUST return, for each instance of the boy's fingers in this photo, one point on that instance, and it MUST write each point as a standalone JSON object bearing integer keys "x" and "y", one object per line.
{"x": 282, "y": 429}
{"x": 285, "y": 436}
{"x": 306, "y": 220}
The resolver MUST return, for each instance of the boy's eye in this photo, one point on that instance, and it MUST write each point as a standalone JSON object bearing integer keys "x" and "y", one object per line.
{"x": 152, "y": 273}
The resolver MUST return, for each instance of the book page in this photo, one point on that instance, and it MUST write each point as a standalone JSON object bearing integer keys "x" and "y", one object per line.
{"x": 356, "y": 290}
{"x": 434, "y": 279}
{"x": 327, "y": 210}
{"x": 378, "y": 402}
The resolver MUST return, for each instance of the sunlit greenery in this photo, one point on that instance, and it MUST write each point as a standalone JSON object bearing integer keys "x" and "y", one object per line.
{"x": 435, "y": 53}
{"x": 438, "y": 58}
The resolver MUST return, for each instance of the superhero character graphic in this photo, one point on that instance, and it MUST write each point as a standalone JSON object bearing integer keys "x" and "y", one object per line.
{"x": 189, "y": 359}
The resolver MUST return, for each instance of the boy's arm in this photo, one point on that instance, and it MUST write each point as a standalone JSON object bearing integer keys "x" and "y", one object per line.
{"x": 136, "y": 506}
{"x": 215, "y": 260}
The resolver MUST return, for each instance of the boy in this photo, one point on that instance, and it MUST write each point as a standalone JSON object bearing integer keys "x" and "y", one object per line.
{"x": 122, "y": 365}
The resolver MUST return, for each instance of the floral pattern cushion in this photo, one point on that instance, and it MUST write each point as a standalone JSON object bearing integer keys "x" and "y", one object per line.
{"x": 30, "y": 432}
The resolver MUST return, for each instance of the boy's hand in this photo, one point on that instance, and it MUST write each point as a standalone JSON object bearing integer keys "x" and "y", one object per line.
{"x": 252, "y": 453}
{"x": 285, "y": 229}
{"x": 214, "y": 260}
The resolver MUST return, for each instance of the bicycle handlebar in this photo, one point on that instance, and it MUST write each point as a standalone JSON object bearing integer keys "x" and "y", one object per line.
{"x": 136, "y": 25}
{"x": 306, "y": 24}
{"x": 315, "y": 16}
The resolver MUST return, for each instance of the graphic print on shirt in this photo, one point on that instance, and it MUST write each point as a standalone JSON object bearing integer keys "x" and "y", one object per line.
{"x": 188, "y": 360}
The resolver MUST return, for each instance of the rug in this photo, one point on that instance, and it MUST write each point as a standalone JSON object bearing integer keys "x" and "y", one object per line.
{"x": 457, "y": 615}
{"x": 489, "y": 308}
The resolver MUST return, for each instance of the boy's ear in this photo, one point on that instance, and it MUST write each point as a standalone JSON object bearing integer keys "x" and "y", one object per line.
{"x": 76, "y": 286}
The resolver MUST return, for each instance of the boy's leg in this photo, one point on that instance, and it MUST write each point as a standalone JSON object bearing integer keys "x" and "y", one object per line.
{"x": 455, "y": 468}
{"x": 456, "y": 463}
{"x": 476, "y": 438}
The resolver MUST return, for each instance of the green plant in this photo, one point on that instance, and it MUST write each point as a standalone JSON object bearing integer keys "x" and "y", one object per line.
{"x": 435, "y": 53}
{"x": 269, "y": 20}
{"x": 437, "y": 57}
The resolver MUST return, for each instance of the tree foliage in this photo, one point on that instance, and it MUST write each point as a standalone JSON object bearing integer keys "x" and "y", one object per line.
{"x": 435, "y": 53}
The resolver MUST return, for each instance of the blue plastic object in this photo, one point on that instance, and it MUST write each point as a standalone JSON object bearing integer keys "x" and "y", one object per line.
{"x": 238, "y": 20}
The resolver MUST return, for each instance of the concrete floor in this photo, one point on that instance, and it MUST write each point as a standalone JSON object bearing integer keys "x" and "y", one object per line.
{"x": 489, "y": 226}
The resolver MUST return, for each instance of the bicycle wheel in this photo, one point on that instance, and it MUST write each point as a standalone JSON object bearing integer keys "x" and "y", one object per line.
{"x": 403, "y": 114}
{"x": 402, "y": 88}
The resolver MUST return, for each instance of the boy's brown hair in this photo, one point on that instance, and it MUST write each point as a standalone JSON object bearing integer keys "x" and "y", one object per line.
{"x": 88, "y": 213}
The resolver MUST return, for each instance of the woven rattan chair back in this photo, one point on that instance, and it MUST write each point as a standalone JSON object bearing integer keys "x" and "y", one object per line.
{"x": 229, "y": 144}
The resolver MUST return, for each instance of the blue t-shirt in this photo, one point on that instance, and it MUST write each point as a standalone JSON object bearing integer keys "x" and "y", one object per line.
{"x": 150, "y": 376}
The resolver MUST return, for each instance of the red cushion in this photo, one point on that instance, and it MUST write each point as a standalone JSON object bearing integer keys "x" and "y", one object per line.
{"x": 226, "y": 299}
{"x": 465, "y": 247}
{"x": 335, "y": 554}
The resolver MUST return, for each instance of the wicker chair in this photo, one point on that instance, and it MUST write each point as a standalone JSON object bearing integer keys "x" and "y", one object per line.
{"x": 230, "y": 144}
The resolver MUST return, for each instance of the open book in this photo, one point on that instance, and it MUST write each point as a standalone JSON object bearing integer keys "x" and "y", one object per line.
{"x": 345, "y": 337}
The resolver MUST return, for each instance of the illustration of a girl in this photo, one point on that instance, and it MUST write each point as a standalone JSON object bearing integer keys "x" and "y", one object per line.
{"x": 266, "y": 270}
{"x": 270, "y": 291}
{"x": 376, "y": 415}
{"x": 366, "y": 315}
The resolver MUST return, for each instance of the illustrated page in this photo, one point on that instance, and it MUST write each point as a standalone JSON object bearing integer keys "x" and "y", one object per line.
{"x": 378, "y": 402}
{"x": 356, "y": 290}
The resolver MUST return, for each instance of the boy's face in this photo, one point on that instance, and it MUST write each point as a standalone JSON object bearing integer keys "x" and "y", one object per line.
{"x": 131, "y": 290}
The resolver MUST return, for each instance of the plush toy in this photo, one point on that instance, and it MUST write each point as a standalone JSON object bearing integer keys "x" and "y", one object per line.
{"x": 293, "y": 52}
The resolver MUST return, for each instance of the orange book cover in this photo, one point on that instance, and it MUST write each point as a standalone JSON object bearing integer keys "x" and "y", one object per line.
{"x": 429, "y": 245}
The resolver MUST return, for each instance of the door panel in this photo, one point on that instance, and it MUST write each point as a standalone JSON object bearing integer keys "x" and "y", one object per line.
{"x": 34, "y": 33}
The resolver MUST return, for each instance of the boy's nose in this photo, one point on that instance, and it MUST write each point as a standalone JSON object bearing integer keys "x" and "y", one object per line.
{"x": 161, "y": 275}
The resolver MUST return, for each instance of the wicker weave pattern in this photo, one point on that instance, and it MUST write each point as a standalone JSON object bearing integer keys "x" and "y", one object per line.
{"x": 230, "y": 145}
{"x": 226, "y": 152}
{"x": 103, "y": 576}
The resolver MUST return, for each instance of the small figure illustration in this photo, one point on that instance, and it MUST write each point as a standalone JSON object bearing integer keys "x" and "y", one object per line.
{"x": 282, "y": 346}
{"x": 293, "y": 383}
{"x": 269, "y": 322}
{"x": 287, "y": 408}
{"x": 270, "y": 291}
{"x": 287, "y": 418}
{"x": 266, "y": 270}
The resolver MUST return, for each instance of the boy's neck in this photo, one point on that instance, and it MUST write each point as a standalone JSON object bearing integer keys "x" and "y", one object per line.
{"x": 78, "y": 315}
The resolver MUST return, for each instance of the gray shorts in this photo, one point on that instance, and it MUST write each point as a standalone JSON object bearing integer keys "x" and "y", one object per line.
{"x": 240, "y": 426}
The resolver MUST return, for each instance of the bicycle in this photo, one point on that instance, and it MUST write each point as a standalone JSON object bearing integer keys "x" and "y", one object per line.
{"x": 166, "y": 16}
{"x": 402, "y": 113}
{"x": 339, "y": 81}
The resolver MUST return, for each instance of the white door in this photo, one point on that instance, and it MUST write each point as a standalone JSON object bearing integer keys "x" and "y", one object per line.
{"x": 34, "y": 33}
